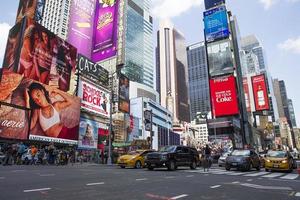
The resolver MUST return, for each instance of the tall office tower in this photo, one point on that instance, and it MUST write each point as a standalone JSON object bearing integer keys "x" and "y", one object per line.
{"x": 277, "y": 93}
{"x": 250, "y": 64}
{"x": 173, "y": 71}
{"x": 292, "y": 113}
{"x": 56, "y": 17}
{"x": 198, "y": 79}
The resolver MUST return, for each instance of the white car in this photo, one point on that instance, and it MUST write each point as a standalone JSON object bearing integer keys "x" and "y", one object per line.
{"x": 222, "y": 159}
{"x": 27, "y": 157}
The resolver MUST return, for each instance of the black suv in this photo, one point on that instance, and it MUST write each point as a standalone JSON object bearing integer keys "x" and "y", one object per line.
{"x": 172, "y": 157}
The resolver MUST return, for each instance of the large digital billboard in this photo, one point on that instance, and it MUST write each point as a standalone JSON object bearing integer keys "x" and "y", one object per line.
{"x": 42, "y": 56}
{"x": 32, "y": 9}
{"x": 88, "y": 134}
{"x": 216, "y": 24}
{"x": 81, "y": 25}
{"x": 260, "y": 93}
{"x": 212, "y": 3}
{"x": 220, "y": 58}
{"x": 92, "y": 71}
{"x": 246, "y": 94}
{"x": 224, "y": 96}
{"x": 54, "y": 113}
{"x": 124, "y": 102}
{"x": 93, "y": 98}
{"x": 14, "y": 122}
{"x": 105, "y": 30}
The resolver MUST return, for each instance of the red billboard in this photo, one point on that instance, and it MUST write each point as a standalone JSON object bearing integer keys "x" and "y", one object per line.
{"x": 260, "y": 93}
{"x": 224, "y": 96}
{"x": 247, "y": 94}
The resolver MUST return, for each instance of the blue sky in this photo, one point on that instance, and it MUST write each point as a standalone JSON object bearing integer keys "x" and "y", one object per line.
{"x": 275, "y": 22}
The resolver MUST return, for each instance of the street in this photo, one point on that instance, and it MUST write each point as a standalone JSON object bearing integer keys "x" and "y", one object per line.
{"x": 91, "y": 181}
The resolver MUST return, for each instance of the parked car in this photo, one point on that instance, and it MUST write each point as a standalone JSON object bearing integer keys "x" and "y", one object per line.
{"x": 172, "y": 157}
{"x": 279, "y": 160}
{"x": 243, "y": 160}
{"x": 134, "y": 159}
{"x": 27, "y": 157}
{"x": 222, "y": 159}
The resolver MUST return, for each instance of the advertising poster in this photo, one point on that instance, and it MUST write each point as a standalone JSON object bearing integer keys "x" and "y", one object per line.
{"x": 212, "y": 3}
{"x": 260, "y": 93}
{"x": 216, "y": 24}
{"x": 92, "y": 71}
{"x": 124, "y": 102}
{"x": 103, "y": 135}
{"x": 54, "y": 113}
{"x": 246, "y": 93}
{"x": 43, "y": 57}
{"x": 81, "y": 25}
{"x": 32, "y": 9}
{"x": 220, "y": 58}
{"x": 14, "y": 123}
{"x": 88, "y": 134}
{"x": 224, "y": 96}
{"x": 105, "y": 30}
{"x": 133, "y": 129}
{"x": 94, "y": 99}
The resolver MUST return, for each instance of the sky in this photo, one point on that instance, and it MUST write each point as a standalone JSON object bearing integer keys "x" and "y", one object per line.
{"x": 275, "y": 22}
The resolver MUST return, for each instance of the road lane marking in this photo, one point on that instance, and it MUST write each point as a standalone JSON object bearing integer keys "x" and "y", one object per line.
{"x": 47, "y": 174}
{"x": 257, "y": 174}
{"x": 215, "y": 186}
{"x": 236, "y": 173}
{"x": 265, "y": 187}
{"x": 236, "y": 182}
{"x": 141, "y": 179}
{"x": 249, "y": 180}
{"x": 297, "y": 194}
{"x": 18, "y": 170}
{"x": 273, "y": 175}
{"x": 179, "y": 196}
{"x": 91, "y": 184}
{"x": 290, "y": 176}
{"x": 2, "y": 178}
{"x": 37, "y": 190}
{"x": 170, "y": 177}
{"x": 189, "y": 176}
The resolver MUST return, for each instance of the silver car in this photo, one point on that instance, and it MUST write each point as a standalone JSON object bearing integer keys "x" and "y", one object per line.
{"x": 222, "y": 159}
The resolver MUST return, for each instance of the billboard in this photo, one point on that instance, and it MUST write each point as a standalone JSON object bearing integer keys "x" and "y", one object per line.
{"x": 94, "y": 99}
{"x": 224, "y": 96}
{"x": 212, "y": 3}
{"x": 220, "y": 58}
{"x": 32, "y": 9}
{"x": 246, "y": 94}
{"x": 103, "y": 135}
{"x": 105, "y": 30}
{"x": 92, "y": 71}
{"x": 124, "y": 102}
{"x": 42, "y": 56}
{"x": 14, "y": 122}
{"x": 81, "y": 25}
{"x": 54, "y": 113}
{"x": 88, "y": 134}
{"x": 260, "y": 93}
{"x": 216, "y": 24}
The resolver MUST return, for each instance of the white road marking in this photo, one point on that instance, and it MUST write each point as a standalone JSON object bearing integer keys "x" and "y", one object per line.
{"x": 189, "y": 176}
{"x": 47, "y": 174}
{"x": 257, "y": 174}
{"x": 2, "y": 178}
{"x": 141, "y": 179}
{"x": 215, "y": 186}
{"x": 236, "y": 182}
{"x": 297, "y": 194}
{"x": 249, "y": 180}
{"x": 265, "y": 187}
{"x": 37, "y": 190}
{"x": 236, "y": 173}
{"x": 91, "y": 184}
{"x": 180, "y": 196}
{"x": 290, "y": 176}
{"x": 273, "y": 175}
{"x": 18, "y": 170}
{"x": 170, "y": 177}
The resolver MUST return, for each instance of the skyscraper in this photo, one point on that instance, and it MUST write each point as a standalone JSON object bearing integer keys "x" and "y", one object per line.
{"x": 173, "y": 72}
{"x": 198, "y": 79}
{"x": 292, "y": 113}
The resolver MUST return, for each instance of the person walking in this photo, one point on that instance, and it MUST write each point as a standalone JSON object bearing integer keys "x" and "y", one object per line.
{"x": 207, "y": 155}
{"x": 34, "y": 151}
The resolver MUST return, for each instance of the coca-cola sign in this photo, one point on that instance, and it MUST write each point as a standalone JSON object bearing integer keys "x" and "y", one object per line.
{"x": 224, "y": 96}
{"x": 260, "y": 93}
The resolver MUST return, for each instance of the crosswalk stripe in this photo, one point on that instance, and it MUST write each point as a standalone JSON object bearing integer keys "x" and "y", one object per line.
{"x": 290, "y": 176}
{"x": 257, "y": 174}
{"x": 236, "y": 173}
{"x": 273, "y": 175}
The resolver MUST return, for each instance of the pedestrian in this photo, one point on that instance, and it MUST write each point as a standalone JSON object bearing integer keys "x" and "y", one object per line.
{"x": 34, "y": 151}
{"x": 21, "y": 151}
{"x": 207, "y": 155}
{"x": 8, "y": 154}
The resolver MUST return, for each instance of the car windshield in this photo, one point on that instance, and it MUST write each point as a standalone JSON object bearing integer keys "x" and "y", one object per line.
{"x": 277, "y": 154}
{"x": 168, "y": 149}
{"x": 133, "y": 153}
{"x": 241, "y": 153}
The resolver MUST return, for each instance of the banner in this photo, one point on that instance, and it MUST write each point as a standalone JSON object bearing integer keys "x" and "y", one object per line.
{"x": 32, "y": 9}
{"x": 88, "y": 134}
{"x": 92, "y": 71}
{"x": 260, "y": 93}
{"x": 94, "y": 99}
{"x": 103, "y": 135}
{"x": 246, "y": 94}
{"x": 81, "y": 23}
{"x": 105, "y": 30}
{"x": 224, "y": 96}
{"x": 124, "y": 102}
{"x": 14, "y": 123}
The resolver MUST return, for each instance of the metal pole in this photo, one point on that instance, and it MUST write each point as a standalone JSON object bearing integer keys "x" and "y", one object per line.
{"x": 109, "y": 161}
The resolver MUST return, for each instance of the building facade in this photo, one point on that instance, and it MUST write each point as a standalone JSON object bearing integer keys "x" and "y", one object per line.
{"x": 292, "y": 113}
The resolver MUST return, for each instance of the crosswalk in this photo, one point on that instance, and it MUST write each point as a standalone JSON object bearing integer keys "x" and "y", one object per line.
{"x": 262, "y": 174}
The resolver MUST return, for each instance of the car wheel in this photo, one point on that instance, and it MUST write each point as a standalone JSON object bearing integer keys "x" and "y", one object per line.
{"x": 171, "y": 165}
{"x": 122, "y": 167}
{"x": 258, "y": 167}
{"x": 193, "y": 165}
{"x": 138, "y": 165}
{"x": 220, "y": 165}
{"x": 150, "y": 168}
{"x": 267, "y": 170}
{"x": 227, "y": 168}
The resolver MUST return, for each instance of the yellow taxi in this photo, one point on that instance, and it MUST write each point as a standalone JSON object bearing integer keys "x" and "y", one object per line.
{"x": 135, "y": 159}
{"x": 279, "y": 160}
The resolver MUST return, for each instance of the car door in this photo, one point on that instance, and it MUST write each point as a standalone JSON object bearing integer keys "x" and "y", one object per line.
{"x": 186, "y": 156}
{"x": 179, "y": 156}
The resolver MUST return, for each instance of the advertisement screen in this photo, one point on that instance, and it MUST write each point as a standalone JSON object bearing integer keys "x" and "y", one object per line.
{"x": 105, "y": 30}
{"x": 81, "y": 25}
{"x": 260, "y": 93}
{"x": 88, "y": 134}
{"x": 246, "y": 93}
{"x": 212, "y": 3}
{"x": 14, "y": 123}
{"x": 216, "y": 24}
{"x": 54, "y": 113}
{"x": 124, "y": 102}
{"x": 224, "y": 96}
{"x": 43, "y": 57}
{"x": 133, "y": 129}
{"x": 32, "y": 9}
{"x": 220, "y": 58}
{"x": 92, "y": 71}
{"x": 94, "y": 99}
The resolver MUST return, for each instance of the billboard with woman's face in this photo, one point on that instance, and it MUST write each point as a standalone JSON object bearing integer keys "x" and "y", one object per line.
{"x": 33, "y": 9}
{"x": 54, "y": 113}
{"x": 88, "y": 134}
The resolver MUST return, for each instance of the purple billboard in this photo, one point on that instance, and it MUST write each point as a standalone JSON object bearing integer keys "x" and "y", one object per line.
{"x": 105, "y": 30}
{"x": 81, "y": 25}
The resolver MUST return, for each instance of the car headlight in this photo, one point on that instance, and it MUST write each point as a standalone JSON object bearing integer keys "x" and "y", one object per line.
{"x": 268, "y": 160}
{"x": 163, "y": 157}
{"x": 284, "y": 161}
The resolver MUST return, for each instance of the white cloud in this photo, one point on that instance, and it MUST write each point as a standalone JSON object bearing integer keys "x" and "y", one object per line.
{"x": 164, "y": 9}
{"x": 291, "y": 45}
{"x": 4, "y": 29}
{"x": 268, "y": 3}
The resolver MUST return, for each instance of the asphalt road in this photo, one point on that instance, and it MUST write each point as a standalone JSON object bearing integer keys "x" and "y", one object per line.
{"x": 100, "y": 182}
